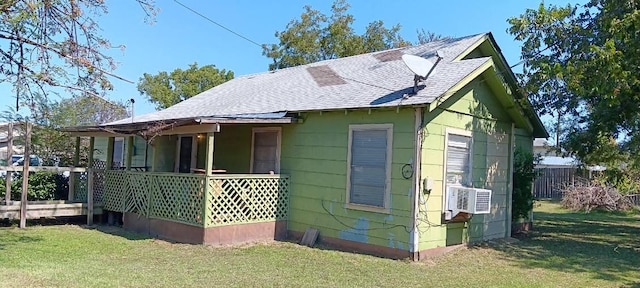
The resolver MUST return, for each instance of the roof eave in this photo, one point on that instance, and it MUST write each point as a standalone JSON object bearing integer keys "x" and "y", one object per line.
{"x": 538, "y": 129}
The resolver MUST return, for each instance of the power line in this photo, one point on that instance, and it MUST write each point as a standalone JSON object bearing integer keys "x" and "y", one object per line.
{"x": 218, "y": 24}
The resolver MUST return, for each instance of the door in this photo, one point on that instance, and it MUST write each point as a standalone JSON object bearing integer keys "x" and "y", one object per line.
{"x": 185, "y": 154}
{"x": 265, "y": 155}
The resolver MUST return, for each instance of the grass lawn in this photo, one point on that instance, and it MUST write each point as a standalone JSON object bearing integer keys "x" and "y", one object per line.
{"x": 566, "y": 250}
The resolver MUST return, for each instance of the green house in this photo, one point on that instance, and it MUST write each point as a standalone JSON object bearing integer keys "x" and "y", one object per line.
{"x": 350, "y": 147}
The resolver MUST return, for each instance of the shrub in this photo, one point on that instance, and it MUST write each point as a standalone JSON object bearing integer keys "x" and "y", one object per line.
{"x": 42, "y": 186}
{"x": 523, "y": 176}
{"x": 588, "y": 195}
{"x": 626, "y": 181}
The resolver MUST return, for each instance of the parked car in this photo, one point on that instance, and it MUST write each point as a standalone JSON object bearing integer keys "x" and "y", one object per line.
{"x": 18, "y": 160}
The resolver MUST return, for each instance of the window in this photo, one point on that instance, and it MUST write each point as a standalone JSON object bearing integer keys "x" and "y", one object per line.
{"x": 265, "y": 152}
{"x": 458, "y": 158}
{"x": 369, "y": 165}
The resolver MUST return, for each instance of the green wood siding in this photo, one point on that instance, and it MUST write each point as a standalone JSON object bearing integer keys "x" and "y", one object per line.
{"x": 232, "y": 149}
{"x": 139, "y": 150}
{"x": 474, "y": 108}
{"x": 100, "y": 148}
{"x": 524, "y": 140}
{"x": 314, "y": 154}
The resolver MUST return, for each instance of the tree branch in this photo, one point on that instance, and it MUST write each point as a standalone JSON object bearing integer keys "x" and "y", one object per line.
{"x": 62, "y": 54}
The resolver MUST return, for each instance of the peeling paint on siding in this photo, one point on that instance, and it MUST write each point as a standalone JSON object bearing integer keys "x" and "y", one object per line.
{"x": 358, "y": 233}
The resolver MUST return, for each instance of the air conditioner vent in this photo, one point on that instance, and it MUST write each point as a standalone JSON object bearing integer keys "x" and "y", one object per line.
{"x": 469, "y": 200}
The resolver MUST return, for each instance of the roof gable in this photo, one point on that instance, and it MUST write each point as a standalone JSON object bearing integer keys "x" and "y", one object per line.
{"x": 514, "y": 101}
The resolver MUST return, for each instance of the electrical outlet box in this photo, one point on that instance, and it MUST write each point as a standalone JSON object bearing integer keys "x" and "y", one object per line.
{"x": 427, "y": 185}
{"x": 447, "y": 215}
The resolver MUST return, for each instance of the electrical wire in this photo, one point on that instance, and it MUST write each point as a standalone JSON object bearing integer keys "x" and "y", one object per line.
{"x": 344, "y": 78}
{"x": 424, "y": 213}
{"x": 217, "y": 24}
{"x": 406, "y": 228}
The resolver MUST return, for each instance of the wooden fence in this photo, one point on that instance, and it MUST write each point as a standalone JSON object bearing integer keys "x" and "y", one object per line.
{"x": 635, "y": 199}
{"x": 549, "y": 182}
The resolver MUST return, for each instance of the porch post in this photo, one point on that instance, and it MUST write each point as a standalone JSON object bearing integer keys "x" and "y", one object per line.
{"x": 209, "y": 162}
{"x": 109, "y": 162}
{"x": 7, "y": 195}
{"x": 91, "y": 148}
{"x": 109, "y": 166}
{"x": 25, "y": 176}
{"x": 208, "y": 171}
{"x": 72, "y": 175}
{"x": 90, "y": 182}
{"x": 129, "y": 152}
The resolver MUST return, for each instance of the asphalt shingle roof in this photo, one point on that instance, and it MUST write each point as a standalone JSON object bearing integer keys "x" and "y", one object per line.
{"x": 370, "y": 83}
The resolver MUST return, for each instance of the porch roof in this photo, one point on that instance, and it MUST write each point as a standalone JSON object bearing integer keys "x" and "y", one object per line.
{"x": 175, "y": 125}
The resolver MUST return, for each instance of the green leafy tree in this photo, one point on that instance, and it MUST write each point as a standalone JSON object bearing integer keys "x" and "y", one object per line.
{"x": 425, "y": 36}
{"x": 50, "y": 143}
{"x": 582, "y": 62}
{"x": 165, "y": 89}
{"x": 316, "y": 37}
{"x": 55, "y": 45}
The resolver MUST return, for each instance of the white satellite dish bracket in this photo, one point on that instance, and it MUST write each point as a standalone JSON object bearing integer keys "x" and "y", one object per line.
{"x": 421, "y": 68}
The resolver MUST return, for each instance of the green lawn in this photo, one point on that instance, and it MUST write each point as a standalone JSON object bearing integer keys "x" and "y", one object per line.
{"x": 566, "y": 250}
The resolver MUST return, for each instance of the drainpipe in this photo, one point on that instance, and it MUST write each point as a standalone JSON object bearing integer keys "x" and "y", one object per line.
{"x": 512, "y": 145}
{"x": 417, "y": 163}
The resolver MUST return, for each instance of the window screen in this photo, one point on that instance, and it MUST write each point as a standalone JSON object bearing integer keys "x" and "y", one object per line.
{"x": 458, "y": 159}
{"x": 265, "y": 152}
{"x": 368, "y": 178}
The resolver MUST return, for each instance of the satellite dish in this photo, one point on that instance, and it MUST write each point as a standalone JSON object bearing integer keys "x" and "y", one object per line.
{"x": 418, "y": 65}
{"x": 421, "y": 67}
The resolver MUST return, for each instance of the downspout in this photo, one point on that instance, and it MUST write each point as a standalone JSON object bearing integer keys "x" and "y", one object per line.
{"x": 512, "y": 145}
{"x": 417, "y": 177}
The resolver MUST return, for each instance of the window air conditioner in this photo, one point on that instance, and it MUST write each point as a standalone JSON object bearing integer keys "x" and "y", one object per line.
{"x": 469, "y": 200}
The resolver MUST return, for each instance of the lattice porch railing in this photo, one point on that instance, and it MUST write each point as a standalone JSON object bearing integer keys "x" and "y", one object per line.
{"x": 198, "y": 200}
{"x": 235, "y": 199}
{"x": 170, "y": 196}
{"x": 81, "y": 183}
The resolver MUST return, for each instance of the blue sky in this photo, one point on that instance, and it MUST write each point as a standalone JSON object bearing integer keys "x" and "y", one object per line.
{"x": 180, "y": 37}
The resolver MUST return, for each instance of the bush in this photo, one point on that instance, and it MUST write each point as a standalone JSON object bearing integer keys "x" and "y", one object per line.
{"x": 42, "y": 186}
{"x": 586, "y": 196}
{"x": 523, "y": 176}
{"x": 626, "y": 181}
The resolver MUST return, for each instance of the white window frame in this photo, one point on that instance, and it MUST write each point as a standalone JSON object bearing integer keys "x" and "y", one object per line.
{"x": 459, "y": 132}
{"x": 279, "y": 145}
{"x": 194, "y": 152}
{"x": 387, "y": 197}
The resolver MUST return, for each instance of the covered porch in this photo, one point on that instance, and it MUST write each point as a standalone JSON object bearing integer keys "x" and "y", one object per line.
{"x": 201, "y": 181}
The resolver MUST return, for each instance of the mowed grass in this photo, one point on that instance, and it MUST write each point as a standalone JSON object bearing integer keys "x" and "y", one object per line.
{"x": 566, "y": 250}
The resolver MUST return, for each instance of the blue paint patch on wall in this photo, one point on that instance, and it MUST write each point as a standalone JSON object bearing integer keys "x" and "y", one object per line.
{"x": 391, "y": 242}
{"x": 358, "y": 233}
{"x": 399, "y": 245}
{"x": 388, "y": 219}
